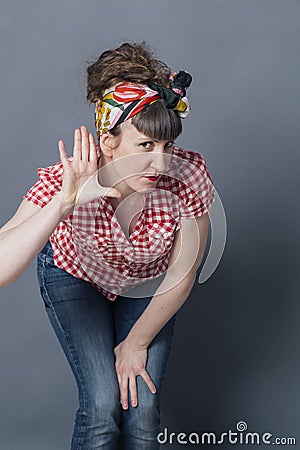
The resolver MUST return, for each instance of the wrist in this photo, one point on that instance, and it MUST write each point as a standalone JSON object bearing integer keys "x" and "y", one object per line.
{"x": 136, "y": 341}
{"x": 66, "y": 205}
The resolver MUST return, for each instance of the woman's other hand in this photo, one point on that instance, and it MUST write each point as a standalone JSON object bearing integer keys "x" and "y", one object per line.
{"x": 130, "y": 362}
{"x": 80, "y": 184}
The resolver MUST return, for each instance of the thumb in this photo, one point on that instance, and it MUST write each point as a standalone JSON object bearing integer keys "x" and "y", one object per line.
{"x": 91, "y": 190}
{"x": 112, "y": 192}
{"x": 107, "y": 191}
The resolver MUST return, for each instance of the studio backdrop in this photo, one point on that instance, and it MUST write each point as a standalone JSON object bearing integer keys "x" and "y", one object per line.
{"x": 234, "y": 363}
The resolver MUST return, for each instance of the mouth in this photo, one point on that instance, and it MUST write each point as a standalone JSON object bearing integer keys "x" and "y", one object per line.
{"x": 152, "y": 179}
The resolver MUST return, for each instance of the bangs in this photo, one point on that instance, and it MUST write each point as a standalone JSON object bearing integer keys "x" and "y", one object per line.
{"x": 156, "y": 121}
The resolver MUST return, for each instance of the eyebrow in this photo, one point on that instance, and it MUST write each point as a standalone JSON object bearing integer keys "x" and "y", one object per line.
{"x": 154, "y": 140}
{"x": 148, "y": 139}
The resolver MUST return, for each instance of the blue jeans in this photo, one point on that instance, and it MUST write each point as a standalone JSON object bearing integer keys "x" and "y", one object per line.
{"x": 88, "y": 327}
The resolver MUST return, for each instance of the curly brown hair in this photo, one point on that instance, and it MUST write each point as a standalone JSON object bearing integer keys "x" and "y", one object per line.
{"x": 129, "y": 62}
{"x": 135, "y": 63}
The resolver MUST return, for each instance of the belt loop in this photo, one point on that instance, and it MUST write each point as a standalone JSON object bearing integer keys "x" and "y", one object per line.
{"x": 49, "y": 251}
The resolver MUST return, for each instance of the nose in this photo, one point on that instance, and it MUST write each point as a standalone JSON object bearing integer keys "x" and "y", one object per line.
{"x": 160, "y": 161}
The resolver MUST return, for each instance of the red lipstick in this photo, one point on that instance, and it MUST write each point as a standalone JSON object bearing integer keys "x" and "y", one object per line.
{"x": 152, "y": 178}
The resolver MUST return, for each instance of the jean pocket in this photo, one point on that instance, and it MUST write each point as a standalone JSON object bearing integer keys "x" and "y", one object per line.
{"x": 41, "y": 268}
{"x": 49, "y": 276}
{"x": 45, "y": 297}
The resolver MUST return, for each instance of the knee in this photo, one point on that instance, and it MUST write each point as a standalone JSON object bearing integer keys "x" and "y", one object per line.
{"x": 97, "y": 424}
{"x": 148, "y": 413}
{"x": 146, "y": 416}
{"x": 103, "y": 410}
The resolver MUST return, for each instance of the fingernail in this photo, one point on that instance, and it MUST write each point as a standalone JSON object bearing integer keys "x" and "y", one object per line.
{"x": 133, "y": 403}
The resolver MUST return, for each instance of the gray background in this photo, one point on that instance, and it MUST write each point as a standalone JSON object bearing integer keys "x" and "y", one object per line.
{"x": 235, "y": 354}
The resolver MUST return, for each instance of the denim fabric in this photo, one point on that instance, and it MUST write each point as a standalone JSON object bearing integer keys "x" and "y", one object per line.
{"x": 88, "y": 327}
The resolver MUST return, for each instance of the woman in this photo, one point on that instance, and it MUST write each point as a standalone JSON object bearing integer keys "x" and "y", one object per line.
{"x": 113, "y": 221}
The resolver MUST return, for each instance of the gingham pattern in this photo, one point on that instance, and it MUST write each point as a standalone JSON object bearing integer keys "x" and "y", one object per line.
{"x": 90, "y": 243}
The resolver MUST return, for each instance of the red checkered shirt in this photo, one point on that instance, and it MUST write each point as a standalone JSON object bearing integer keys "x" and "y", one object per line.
{"x": 90, "y": 243}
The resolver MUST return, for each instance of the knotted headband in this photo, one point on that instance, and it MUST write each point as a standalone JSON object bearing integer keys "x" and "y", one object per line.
{"x": 125, "y": 100}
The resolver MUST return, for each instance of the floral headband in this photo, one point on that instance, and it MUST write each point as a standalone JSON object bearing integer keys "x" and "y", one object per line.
{"x": 125, "y": 100}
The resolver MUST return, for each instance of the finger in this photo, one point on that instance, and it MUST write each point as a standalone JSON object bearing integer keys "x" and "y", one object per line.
{"x": 93, "y": 152}
{"x": 85, "y": 143}
{"x": 63, "y": 154}
{"x": 144, "y": 374}
{"x": 77, "y": 145}
{"x": 133, "y": 391}
{"x": 62, "y": 150}
{"x": 123, "y": 384}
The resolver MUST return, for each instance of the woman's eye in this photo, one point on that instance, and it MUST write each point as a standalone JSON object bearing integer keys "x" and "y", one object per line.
{"x": 147, "y": 145}
{"x": 169, "y": 144}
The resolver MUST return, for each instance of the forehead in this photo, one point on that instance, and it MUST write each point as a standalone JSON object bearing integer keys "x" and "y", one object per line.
{"x": 129, "y": 131}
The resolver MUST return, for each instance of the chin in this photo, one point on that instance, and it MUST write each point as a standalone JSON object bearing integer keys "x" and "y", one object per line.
{"x": 142, "y": 185}
{"x": 147, "y": 184}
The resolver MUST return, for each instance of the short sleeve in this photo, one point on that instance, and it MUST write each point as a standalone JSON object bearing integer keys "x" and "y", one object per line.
{"x": 49, "y": 183}
{"x": 197, "y": 192}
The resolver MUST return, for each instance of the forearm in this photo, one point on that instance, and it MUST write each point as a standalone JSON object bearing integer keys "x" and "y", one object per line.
{"x": 173, "y": 291}
{"x": 19, "y": 245}
{"x": 160, "y": 310}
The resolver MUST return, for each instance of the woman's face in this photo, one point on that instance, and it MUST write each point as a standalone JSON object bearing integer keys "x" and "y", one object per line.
{"x": 137, "y": 158}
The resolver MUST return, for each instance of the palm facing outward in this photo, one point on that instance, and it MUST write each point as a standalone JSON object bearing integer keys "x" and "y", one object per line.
{"x": 82, "y": 171}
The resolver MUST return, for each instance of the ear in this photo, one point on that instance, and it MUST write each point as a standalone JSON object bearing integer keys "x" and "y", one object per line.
{"x": 106, "y": 144}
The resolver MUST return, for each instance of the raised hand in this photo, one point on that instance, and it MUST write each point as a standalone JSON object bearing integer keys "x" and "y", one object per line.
{"x": 80, "y": 179}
